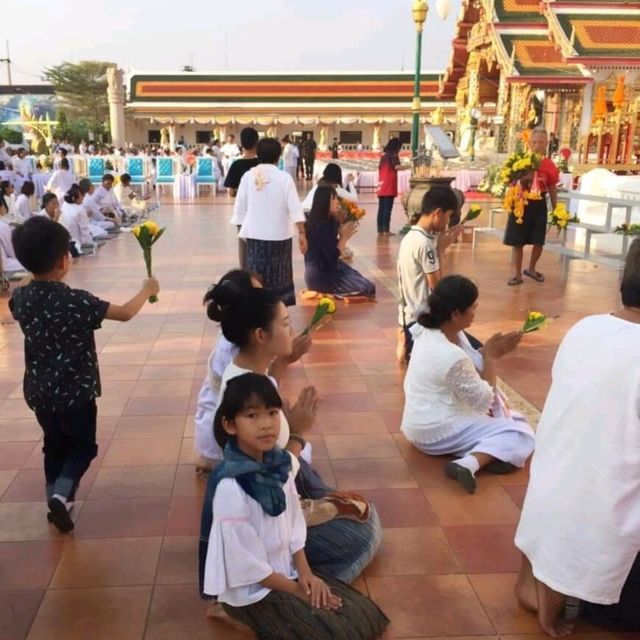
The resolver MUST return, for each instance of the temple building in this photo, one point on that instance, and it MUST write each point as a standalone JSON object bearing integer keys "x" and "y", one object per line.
{"x": 356, "y": 108}
{"x": 573, "y": 67}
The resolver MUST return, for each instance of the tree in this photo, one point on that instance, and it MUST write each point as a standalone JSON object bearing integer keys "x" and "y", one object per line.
{"x": 82, "y": 88}
{"x": 74, "y": 131}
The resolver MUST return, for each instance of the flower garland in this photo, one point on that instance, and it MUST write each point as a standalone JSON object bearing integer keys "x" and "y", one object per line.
{"x": 517, "y": 166}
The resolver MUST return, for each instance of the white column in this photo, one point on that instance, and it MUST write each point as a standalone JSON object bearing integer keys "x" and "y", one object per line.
{"x": 116, "y": 97}
{"x": 587, "y": 109}
{"x": 172, "y": 136}
{"x": 375, "y": 146}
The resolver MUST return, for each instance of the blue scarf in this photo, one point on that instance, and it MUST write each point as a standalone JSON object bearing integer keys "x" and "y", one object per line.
{"x": 263, "y": 481}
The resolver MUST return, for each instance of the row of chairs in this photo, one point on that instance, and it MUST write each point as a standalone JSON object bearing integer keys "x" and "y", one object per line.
{"x": 166, "y": 171}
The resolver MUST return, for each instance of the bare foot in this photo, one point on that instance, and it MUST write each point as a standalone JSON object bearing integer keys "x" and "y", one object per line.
{"x": 204, "y": 466}
{"x": 551, "y": 606}
{"x": 216, "y": 612}
{"x": 526, "y": 587}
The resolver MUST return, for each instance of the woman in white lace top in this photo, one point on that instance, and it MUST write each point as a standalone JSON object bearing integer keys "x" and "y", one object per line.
{"x": 452, "y": 408}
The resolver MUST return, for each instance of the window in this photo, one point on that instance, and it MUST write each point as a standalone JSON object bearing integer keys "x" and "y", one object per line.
{"x": 350, "y": 137}
{"x": 404, "y": 136}
{"x": 154, "y": 136}
{"x": 203, "y": 137}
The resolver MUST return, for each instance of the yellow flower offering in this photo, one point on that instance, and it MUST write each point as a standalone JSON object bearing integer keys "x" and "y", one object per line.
{"x": 561, "y": 218}
{"x": 534, "y": 321}
{"x": 326, "y": 306}
{"x": 148, "y": 233}
{"x": 474, "y": 211}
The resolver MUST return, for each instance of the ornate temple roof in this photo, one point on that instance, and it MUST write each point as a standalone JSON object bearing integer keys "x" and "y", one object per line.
{"x": 518, "y": 11}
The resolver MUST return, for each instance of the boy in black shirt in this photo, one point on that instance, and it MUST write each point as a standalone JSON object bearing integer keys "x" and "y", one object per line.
{"x": 62, "y": 380}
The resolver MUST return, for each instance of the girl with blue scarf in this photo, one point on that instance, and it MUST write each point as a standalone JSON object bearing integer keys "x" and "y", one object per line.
{"x": 255, "y": 561}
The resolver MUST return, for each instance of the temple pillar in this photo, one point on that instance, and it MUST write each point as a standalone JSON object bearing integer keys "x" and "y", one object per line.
{"x": 375, "y": 145}
{"x": 587, "y": 110}
{"x": 116, "y": 97}
{"x": 322, "y": 144}
{"x": 172, "y": 136}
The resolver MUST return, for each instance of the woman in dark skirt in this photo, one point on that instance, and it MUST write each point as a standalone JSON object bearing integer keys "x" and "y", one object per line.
{"x": 267, "y": 209}
{"x": 533, "y": 228}
{"x": 325, "y": 272}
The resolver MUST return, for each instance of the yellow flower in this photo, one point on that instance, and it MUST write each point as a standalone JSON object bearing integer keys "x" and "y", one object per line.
{"x": 328, "y": 303}
{"x": 534, "y": 315}
{"x": 136, "y": 231}
{"x": 562, "y": 223}
{"x": 152, "y": 227}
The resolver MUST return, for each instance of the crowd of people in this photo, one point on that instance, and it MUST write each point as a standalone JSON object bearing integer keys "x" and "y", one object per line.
{"x": 278, "y": 546}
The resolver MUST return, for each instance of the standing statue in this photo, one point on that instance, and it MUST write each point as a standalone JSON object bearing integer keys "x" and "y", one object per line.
{"x": 115, "y": 78}
{"x": 164, "y": 137}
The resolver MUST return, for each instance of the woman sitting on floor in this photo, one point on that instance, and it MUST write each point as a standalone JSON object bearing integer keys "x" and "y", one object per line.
{"x": 257, "y": 322}
{"x": 579, "y": 531}
{"x": 452, "y": 409}
{"x": 223, "y": 353}
{"x": 255, "y": 562}
{"x": 326, "y": 238}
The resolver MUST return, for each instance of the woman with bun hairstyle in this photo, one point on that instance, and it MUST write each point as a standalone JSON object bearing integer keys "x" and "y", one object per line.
{"x": 452, "y": 405}
{"x": 74, "y": 218}
{"x": 257, "y": 322}
{"x": 221, "y": 356}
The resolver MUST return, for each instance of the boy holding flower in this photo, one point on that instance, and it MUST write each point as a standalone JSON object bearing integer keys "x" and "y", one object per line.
{"x": 62, "y": 379}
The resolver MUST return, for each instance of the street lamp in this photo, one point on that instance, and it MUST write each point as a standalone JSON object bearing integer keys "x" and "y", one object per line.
{"x": 419, "y": 10}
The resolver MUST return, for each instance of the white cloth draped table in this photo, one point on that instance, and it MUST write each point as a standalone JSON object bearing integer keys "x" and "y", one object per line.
{"x": 184, "y": 188}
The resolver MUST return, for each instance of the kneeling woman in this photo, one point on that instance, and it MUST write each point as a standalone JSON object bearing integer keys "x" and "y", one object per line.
{"x": 256, "y": 563}
{"x": 452, "y": 409}
{"x": 324, "y": 271}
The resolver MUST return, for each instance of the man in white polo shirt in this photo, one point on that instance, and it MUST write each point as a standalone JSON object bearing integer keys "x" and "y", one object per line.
{"x": 419, "y": 260}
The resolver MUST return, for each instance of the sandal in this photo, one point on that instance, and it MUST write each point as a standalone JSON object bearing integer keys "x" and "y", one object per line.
{"x": 515, "y": 281}
{"x": 534, "y": 275}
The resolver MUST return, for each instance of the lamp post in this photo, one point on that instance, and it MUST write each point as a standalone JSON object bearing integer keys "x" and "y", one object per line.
{"x": 419, "y": 10}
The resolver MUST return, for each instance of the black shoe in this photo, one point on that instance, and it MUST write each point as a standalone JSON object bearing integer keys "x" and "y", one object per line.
{"x": 500, "y": 468}
{"x": 462, "y": 475}
{"x": 59, "y": 516}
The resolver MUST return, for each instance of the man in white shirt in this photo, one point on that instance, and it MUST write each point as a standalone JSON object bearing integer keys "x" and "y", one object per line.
{"x": 106, "y": 199}
{"x": 290, "y": 155}
{"x": 61, "y": 180}
{"x": 230, "y": 151}
{"x": 21, "y": 168}
{"x": 420, "y": 258}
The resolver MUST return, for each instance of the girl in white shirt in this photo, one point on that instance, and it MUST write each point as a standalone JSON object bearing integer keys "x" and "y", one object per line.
{"x": 74, "y": 218}
{"x": 8, "y": 260}
{"x": 255, "y": 560}
{"x": 450, "y": 408}
{"x": 23, "y": 201}
{"x": 332, "y": 176}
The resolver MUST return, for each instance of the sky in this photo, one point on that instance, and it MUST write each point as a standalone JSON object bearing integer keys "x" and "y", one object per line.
{"x": 221, "y": 35}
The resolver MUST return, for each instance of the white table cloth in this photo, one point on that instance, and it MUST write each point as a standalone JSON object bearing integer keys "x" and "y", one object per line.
{"x": 184, "y": 188}
{"x": 566, "y": 181}
{"x": 465, "y": 179}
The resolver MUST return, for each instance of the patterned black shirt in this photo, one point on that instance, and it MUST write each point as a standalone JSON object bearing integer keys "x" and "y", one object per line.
{"x": 61, "y": 363}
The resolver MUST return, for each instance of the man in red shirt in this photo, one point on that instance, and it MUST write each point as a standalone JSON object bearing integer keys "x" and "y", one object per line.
{"x": 533, "y": 228}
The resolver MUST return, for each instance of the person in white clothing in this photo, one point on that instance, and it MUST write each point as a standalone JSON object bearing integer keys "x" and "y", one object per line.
{"x": 420, "y": 261}
{"x": 106, "y": 200}
{"x": 134, "y": 205}
{"x": 253, "y": 537}
{"x": 290, "y": 156}
{"x": 101, "y": 226}
{"x": 23, "y": 202}
{"x": 579, "y": 531}
{"x": 22, "y": 168}
{"x": 220, "y": 358}
{"x": 9, "y": 264}
{"x": 50, "y": 207}
{"x": 332, "y": 177}
{"x": 230, "y": 151}
{"x": 61, "y": 180}
{"x": 267, "y": 209}
{"x": 74, "y": 219}
{"x": 451, "y": 408}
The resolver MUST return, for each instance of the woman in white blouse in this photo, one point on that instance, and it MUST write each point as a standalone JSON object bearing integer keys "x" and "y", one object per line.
{"x": 74, "y": 218}
{"x": 332, "y": 176}
{"x": 23, "y": 202}
{"x": 61, "y": 180}
{"x": 451, "y": 408}
{"x": 267, "y": 209}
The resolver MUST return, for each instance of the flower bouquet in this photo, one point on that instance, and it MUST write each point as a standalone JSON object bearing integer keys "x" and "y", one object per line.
{"x": 350, "y": 211}
{"x": 517, "y": 166}
{"x": 147, "y": 234}
{"x": 534, "y": 321}
{"x": 325, "y": 307}
{"x": 628, "y": 229}
{"x": 474, "y": 212}
{"x": 560, "y": 217}
{"x": 563, "y": 162}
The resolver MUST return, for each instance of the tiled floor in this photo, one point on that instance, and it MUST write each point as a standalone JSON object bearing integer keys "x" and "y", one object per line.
{"x": 447, "y": 565}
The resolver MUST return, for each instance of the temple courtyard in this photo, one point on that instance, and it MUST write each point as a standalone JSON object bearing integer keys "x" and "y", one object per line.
{"x": 447, "y": 565}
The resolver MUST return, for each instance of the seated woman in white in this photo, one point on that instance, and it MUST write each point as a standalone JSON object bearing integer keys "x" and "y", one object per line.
{"x": 332, "y": 177}
{"x": 50, "y": 207}
{"x": 74, "y": 218}
{"x": 98, "y": 222}
{"x": 23, "y": 202}
{"x": 61, "y": 180}
{"x": 579, "y": 531}
{"x": 450, "y": 408}
{"x": 8, "y": 261}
